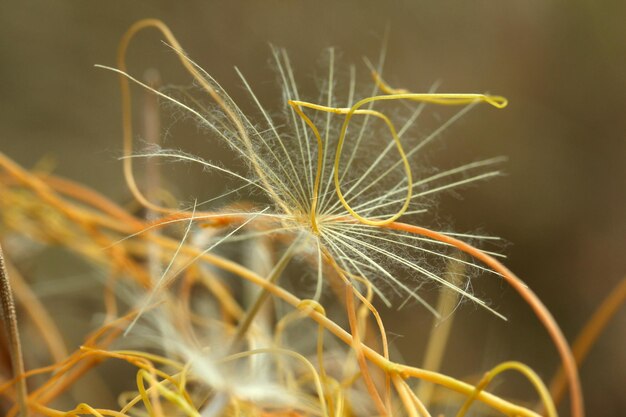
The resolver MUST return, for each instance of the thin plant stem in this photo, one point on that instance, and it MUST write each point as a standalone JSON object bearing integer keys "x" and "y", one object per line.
{"x": 262, "y": 297}
{"x": 405, "y": 397}
{"x": 15, "y": 346}
{"x": 358, "y": 349}
{"x": 38, "y": 314}
{"x": 152, "y": 133}
{"x": 589, "y": 335}
{"x": 88, "y": 218}
{"x": 190, "y": 67}
{"x": 440, "y": 331}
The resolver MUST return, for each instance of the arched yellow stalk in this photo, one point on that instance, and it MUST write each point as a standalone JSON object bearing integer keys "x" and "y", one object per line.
{"x": 84, "y": 409}
{"x": 534, "y": 379}
{"x": 295, "y": 355}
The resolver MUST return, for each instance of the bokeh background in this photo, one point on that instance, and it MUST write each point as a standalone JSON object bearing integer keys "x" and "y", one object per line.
{"x": 560, "y": 208}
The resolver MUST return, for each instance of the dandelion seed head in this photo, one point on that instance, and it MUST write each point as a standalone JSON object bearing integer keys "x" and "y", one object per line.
{"x": 336, "y": 174}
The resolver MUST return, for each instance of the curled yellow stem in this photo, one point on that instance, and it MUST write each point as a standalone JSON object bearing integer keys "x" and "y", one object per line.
{"x": 521, "y": 368}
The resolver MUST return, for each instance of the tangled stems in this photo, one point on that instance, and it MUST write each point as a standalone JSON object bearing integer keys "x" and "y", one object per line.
{"x": 89, "y": 218}
{"x": 374, "y": 357}
{"x": 92, "y": 220}
{"x": 395, "y": 372}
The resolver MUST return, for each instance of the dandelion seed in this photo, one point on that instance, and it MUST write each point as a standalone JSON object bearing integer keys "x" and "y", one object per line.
{"x": 292, "y": 162}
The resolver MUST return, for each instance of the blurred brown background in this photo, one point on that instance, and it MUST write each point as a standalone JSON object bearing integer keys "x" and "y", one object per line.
{"x": 562, "y": 65}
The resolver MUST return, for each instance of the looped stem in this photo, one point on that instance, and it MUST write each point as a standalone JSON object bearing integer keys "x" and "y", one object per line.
{"x": 392, "y": 94}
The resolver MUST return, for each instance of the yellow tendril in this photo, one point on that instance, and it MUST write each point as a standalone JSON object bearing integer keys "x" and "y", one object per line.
{"x": 391, "y": 94}
{"x": 173, "y": 397}
{"x": 83, "y": 408}
{"x": 295, "y": 355}
{"x": 534, "y": 379}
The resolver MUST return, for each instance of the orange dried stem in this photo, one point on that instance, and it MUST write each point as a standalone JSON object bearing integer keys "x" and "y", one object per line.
{"x": 405, "y": 397}
{"x": 542, "y": 313}
{"x": 358, "y": 349}
{"x": 189, "y": 66}
{"x": 590, "y": 334}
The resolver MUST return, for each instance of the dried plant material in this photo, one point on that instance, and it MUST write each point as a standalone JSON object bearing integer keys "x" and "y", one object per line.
{"x": 341, "y": 199}
{"x": 15, "y": 346}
